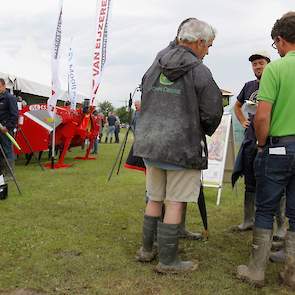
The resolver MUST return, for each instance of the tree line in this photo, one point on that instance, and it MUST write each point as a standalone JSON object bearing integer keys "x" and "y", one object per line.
{"x": 105, "y": 107}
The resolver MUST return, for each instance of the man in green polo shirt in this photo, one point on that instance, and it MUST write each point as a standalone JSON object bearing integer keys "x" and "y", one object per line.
{"x": 275, "y": 161}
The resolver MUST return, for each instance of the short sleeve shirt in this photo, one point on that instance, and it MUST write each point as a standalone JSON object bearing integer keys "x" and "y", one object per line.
{"x": 249, "y": 92}
{"x": 277, "y": 87}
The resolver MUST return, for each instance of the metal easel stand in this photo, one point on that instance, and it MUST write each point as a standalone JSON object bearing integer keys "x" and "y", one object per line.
{"x": 123, "y": 145}
{"x": 119, "y": 155}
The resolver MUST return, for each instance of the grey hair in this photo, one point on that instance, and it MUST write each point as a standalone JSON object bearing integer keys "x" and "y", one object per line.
{"x": 195, "y": 29}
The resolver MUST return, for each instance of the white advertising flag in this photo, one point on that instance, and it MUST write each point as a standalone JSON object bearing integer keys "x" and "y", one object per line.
{"x": 99, "y": 56}
{"x": 55, "y": 82}
{"x": 72, "y": 79}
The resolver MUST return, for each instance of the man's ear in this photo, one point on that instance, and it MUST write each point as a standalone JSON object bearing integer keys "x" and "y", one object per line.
{"x": 281, "y": 40}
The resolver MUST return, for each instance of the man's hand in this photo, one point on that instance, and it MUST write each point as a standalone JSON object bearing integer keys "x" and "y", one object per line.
{"x": 240, "y": 116}
{"x": 3, "y": 129}
{"x": 246, "y": 123}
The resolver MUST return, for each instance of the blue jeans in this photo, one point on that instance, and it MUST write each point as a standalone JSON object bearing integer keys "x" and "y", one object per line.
{"x": 111, "y": 131}
{"x": 7, "y": 147}
{"x": 249, "y": 154}
{"x": 95, "y": 146}
{"x": 274, "y": 175}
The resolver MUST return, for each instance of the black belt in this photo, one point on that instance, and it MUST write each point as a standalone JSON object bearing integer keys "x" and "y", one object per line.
{"x": 280, "y": 139}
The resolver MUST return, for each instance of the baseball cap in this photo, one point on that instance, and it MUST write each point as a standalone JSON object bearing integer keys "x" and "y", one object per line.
{"x": 260, "y": 54}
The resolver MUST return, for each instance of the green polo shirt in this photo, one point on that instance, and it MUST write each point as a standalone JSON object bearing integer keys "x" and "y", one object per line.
{"x": 277, "y": 86}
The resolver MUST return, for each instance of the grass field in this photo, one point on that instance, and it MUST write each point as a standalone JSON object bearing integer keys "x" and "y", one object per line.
{"x": 73, "y": 233}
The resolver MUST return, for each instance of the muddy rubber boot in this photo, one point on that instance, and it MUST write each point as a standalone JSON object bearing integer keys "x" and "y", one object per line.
{"x": 183, "y": 232}
{"x": 169, "y": 262}
{"x": 287, "y": 276}
{"x": 254, "y": 272}
{"x": 249, "y": 213}
{"x": 278, "y": 256}
{"x": 148, "y": 251}
{"x": 281, "y": 230}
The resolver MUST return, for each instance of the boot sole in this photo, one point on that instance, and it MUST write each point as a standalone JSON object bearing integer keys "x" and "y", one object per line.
{"x": 139, "y": 259}
{"x": 275, "y": 259}
{"x": 174, "y": 271}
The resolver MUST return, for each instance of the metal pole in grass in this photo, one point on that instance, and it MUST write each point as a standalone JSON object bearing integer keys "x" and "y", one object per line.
{"x": 9, "y": 168}
{"x": 53, "y": 142}
{"x": 120, "y": 153}
{"x": 123, "y": 145}
{"x": 129, "y": 128}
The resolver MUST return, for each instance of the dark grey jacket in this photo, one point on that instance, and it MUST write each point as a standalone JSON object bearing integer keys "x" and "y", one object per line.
{"x": 180, "y": 104}
{"x": 8, "y": 110}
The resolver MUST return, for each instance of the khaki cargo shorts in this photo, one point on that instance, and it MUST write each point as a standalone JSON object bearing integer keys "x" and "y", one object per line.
{"x": 173, "y": 185}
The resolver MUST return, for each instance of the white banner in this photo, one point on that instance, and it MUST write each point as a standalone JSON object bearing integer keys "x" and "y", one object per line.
{"x": 72, "y": 79}
{"x": 99, "y": 57}
{"x": 55, "y": 82}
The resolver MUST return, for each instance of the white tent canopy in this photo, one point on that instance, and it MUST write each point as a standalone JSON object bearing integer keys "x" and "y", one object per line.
{"x": 27, "y": 86}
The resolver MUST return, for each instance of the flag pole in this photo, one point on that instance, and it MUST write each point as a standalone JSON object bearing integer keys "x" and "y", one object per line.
{"x": 55, "y": 93}
{"x": 53, "y": 142}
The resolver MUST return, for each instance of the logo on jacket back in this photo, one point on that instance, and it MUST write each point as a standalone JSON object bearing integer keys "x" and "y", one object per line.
{"x": 165, "y": 81}
{"x": 163, "y": 87}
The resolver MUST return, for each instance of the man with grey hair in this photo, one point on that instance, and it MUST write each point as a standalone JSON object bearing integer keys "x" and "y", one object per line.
{"x": 195, "y": 29}
{"x": 181, "y": 103}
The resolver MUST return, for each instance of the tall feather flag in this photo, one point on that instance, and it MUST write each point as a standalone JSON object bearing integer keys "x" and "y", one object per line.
{"x": 72, "y": 82}
{"x": 99, "y": 56}
{"x": 55, "y": 82}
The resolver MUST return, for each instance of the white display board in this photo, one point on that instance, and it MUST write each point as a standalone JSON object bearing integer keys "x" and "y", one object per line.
{"x": 220, "y": 155}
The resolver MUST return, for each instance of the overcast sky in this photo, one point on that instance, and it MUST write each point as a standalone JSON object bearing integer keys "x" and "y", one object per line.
{"x": 138, "y": 30}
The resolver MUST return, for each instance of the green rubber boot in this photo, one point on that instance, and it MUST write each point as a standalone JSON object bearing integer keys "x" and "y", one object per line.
{"x": 148, "y": 251}
{"x": 169, "y": 262}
